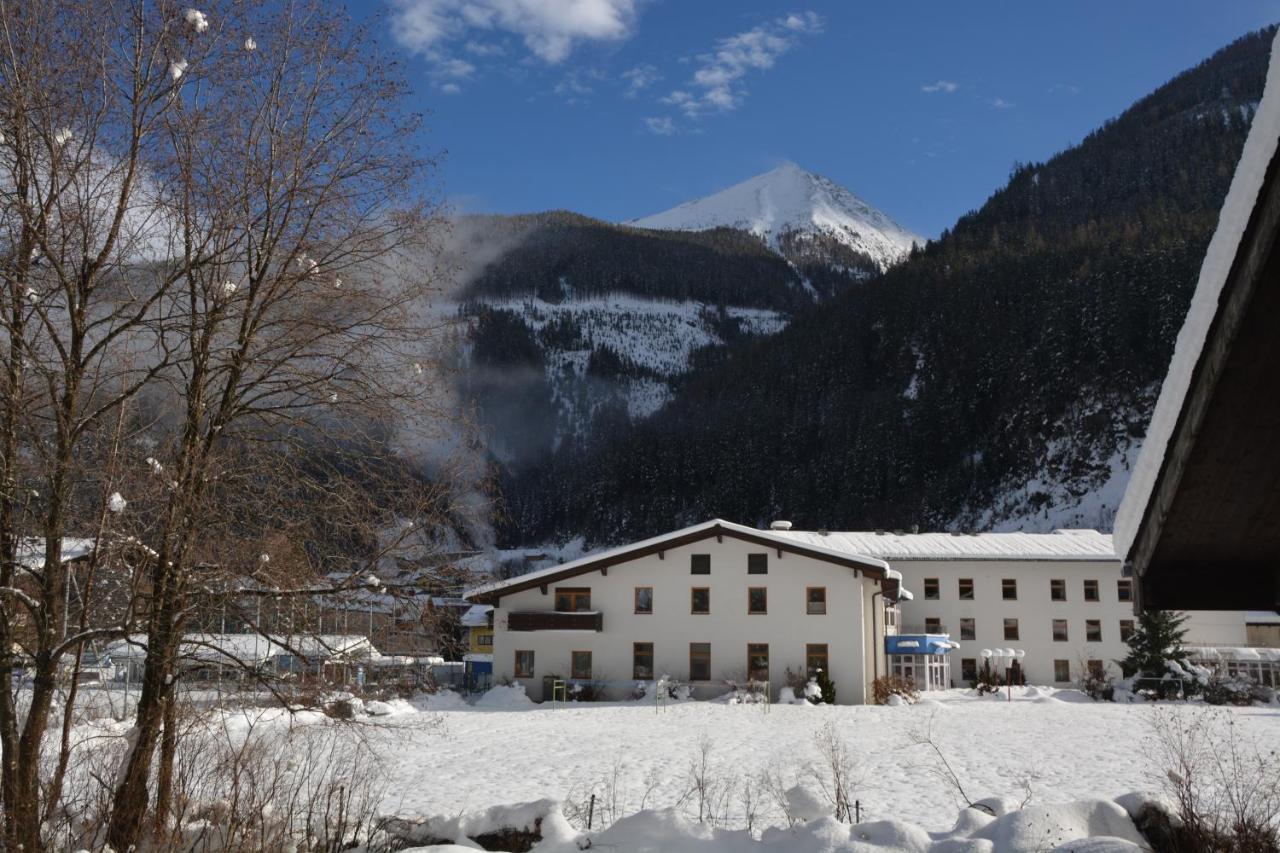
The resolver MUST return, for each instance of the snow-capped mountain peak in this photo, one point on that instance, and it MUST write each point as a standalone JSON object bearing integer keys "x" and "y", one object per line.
{"x": 786, "y": 200}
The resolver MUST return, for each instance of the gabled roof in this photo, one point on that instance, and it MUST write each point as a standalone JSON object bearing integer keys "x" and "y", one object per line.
{"x": 1206, "y": 487}
{"x": 477, "y": 616}
{"x": 715, "y": 528}
{"x": 1066, "y": 545}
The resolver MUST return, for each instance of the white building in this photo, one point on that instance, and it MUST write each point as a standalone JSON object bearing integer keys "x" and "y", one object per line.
{"x": 717, "y": 602}
{"x": 1059, "y": 597}
{"x": 709, "y": 604}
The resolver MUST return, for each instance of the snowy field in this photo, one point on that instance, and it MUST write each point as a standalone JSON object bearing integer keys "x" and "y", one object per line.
{"x": 1051, "y": 746}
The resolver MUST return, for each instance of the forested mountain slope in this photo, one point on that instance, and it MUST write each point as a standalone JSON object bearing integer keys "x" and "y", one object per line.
{"x": 1002, "y": 377}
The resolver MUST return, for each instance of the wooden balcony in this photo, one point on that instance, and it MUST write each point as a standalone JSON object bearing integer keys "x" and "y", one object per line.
{"x": 551, "y": 620}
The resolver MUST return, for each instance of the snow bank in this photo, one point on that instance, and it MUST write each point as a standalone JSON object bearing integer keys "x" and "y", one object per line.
{"x": 1086, "y": 825}
{"x": 389, "y": 708}
{"x": 443, "y": 700}
{"x": 505, "y": 698}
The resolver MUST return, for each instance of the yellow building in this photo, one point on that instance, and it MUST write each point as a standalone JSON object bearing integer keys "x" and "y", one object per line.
{"x": 479, "y": 624}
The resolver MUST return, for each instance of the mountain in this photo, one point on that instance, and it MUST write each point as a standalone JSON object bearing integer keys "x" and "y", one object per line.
{"x": 798, "y": 214}
{"x": 574, "y": 325}
{"x": 1001, "y": 378}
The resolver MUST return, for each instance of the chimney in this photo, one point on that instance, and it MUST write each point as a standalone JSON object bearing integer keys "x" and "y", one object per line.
{"x": 780, "y": 525}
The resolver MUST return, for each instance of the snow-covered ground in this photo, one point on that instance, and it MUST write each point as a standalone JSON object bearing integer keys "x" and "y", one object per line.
{"x": 1053, "y": 746}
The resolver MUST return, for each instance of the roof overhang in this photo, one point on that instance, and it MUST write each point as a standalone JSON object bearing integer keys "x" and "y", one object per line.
{"x": 1211, "y": 499}
{"x": 717, "y": 529}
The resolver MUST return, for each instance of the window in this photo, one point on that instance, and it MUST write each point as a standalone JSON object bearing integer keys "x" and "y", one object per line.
{"x": 699, "y": 661}
{"x": 1097, "y": 669}
{"x": 931, "y": 589}
{"x": 815, "y": 658}
{"x": 642, "y": 661}
{"x": 699, "y": 564}
{"x": 815, "y": 598}
{"x": 1093, "y": 630}
{"x": 1061, "y": 670}
{"x": 572, "y": 599}
{"x": 580, "y": 665}
{"x": 1009, "y": 589}
{"x": 484, "y": 640}
{"x": 757, "y": 599}
{"x": 968, "y": 629}
{"x": 969, "y": 669}
{"x": 758, "y": 661}
{"x": 933, "y": 625}
{"x": 966, "y": 589}
{"x": 1124, "y": 590}
{"x": 1057, "y": 590}
{"x": 524, "y": 664}
{"x": 1011, "y": 629}
{"x": 1090, "y": 590}
{"x": 757, "y": 564}
{"x": 1059, "y": 630}
{"x": 644, "y": 599}
{"x": 1126, "y": 630}
{"x": 700, "y": 600}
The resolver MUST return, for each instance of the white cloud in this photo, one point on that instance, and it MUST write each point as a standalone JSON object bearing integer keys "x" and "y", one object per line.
{"x": 450, "y": 88}
{"x": 549, "y": 28}
{"x": 661, "y": 125}
{"x": 941, "y": 86}
{"x": 640, "y": 78}
{"x": 578, "y": 83}
{"x": 716, "y": 85}
{"x": 1001, "y": 104}
{"x": 484, "y": 49}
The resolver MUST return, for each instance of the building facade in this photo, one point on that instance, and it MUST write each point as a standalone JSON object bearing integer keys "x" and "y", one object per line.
{"x": 719, "y": 604}
{"x": 713, "y": 605}
{"x": 1059, "y": 598}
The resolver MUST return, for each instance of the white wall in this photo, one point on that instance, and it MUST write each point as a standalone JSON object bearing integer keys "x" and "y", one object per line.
{"x": 787, "y": 628}
{"x": 1035, "y": 612}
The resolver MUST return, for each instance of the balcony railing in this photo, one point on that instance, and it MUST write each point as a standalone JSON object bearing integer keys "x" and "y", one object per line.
{"x": 554, "y": 620}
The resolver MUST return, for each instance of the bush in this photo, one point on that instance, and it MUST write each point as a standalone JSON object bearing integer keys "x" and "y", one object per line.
{"x": 892, "y": 685}
{"x": 987, "y": 681}
{"x": 1097, "y": 685}
{"x": 828, "y": 688}
{"x": 1222, "y": 689}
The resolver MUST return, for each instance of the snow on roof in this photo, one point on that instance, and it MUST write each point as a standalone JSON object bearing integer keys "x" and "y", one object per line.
{"x": 1259, "y": 149}
{"x": 1059, "y": 545}
{"x": 1232, "y": 653}
{"x": 31, "y": 551}
{"x": 328, "y": 645}
{"x": 1261, "y": 617}
{"x": 206, "y": 648}
{"x": 477, "y": 616}
{"x": 623, "y": 550}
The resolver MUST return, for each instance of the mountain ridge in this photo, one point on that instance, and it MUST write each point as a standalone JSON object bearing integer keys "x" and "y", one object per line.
{"x": 788, "y": 207}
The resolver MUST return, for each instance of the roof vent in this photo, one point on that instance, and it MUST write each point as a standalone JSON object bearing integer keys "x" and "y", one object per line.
{"x": 780, "y": 525}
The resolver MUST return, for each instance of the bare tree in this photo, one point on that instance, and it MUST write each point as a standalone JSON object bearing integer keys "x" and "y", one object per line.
{"x": 213, "y": 327}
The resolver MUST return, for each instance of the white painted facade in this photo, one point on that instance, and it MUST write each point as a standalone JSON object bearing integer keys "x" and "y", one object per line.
{"x": 1032, "y": 561}
{"x": 1060, "y": 637}
{"x": 786, "y": 628}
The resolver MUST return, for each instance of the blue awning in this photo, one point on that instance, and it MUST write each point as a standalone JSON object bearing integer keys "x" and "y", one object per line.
{"x": 918, "y": 644}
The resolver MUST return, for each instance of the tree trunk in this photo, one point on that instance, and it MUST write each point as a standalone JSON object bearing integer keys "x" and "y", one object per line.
{"x": 164, "y": 773}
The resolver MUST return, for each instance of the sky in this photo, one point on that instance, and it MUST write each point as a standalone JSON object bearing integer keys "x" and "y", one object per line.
{"x": 622, "y": 108}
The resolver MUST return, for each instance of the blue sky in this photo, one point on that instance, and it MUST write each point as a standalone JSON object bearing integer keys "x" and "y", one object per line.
{"x": 622, "y": 108}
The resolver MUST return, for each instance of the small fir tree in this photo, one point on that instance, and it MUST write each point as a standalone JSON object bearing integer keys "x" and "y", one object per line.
{"x": 1155, "y": 642}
